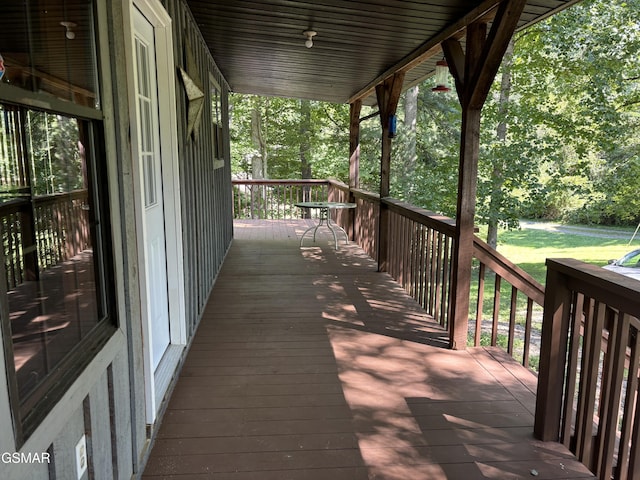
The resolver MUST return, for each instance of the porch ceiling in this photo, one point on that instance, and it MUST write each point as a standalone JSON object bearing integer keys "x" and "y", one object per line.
{"x": 260, "y": 47}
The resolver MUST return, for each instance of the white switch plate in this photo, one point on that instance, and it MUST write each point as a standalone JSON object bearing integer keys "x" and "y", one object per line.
{"x": 81, "y": 456}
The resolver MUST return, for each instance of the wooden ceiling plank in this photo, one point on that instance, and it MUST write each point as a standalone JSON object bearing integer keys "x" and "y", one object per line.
{"x": 255, "y": 12}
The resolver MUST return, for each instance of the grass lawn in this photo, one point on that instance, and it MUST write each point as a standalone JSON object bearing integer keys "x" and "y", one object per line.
{"x": 530, "y": 248}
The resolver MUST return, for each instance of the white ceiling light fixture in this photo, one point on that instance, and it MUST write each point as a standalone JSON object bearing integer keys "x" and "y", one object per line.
{"x": 70, "y": 34}
{"x": 309, "y": 34}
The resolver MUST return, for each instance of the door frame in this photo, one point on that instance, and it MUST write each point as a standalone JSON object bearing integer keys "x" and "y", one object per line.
{"x": 157, "y": 382}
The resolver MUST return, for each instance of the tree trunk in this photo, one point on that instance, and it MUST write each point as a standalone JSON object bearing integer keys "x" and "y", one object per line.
{"x": 498, "y": 162}
{"x": 305, "y": 142}
{"x": 305, "y": 150}
{"x": 258, "y": 162}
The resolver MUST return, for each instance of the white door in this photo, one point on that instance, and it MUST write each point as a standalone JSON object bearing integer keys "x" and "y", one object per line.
{"x": 150, "y": 164}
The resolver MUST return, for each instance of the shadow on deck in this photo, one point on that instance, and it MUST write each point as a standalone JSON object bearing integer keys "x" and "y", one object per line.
{"x": 309, "y": 364}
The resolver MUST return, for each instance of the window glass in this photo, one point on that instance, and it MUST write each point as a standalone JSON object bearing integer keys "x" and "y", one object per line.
{"x": 47, "y": 46}
{"x": 631, "y": 260}
{"x": 216, "y": 119}
{"x": 48, "y": 229}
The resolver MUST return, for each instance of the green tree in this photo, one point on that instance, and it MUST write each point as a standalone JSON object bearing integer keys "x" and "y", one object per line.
{"x": 579, "y": 82}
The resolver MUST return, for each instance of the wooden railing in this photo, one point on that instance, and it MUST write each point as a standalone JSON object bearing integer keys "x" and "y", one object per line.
{"x": 39, "y": 235}
{"x": 275, "y": 199}
{"x": 62, "y": 227}
{"x": 12, "y": 214}
{"x": 589, "y": 365}
{"x": 420, "y": 258}
{"x": 514, "y": 324}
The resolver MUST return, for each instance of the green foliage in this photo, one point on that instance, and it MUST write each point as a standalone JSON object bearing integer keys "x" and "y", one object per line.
{"x": 578, "y": 81}
{"x": 432, "y": 181}
{"x": 281, "y": 120}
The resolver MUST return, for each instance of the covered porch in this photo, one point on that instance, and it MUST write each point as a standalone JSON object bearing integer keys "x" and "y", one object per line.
{"x": 309, "y": 363}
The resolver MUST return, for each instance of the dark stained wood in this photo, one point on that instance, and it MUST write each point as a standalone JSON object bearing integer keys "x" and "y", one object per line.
{"x": 467, "y": 180}
{"x": 482, "y": 57}
{"x": 589, "y": 367}
{"x": 503, "y": 267}
{"x": 309, "y": 364}
{"x": 354, "y": 160}
{"x": 463, "y": 243}
{"x": 388, "y": 95}
{"x": 550, "y": 384}
{"x": 354, "y": 144}
{"x": 502, "y": 29}
{"x": 454, "y": 54}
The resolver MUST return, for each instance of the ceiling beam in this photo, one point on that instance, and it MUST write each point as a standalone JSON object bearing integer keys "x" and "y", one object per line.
{"x": 429, "y": 48}
{"x": 455, "y": 59}
{"x": 502, "y": 29}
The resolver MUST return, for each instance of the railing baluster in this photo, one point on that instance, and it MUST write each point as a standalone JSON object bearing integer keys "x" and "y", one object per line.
{"x": 496, "y": 309}
{"x": 512, "y": 319}
{"x": 616, "y": 358}
{"x": 527, "y": 333}
{"x": 572, "y": 375}
{"x": 441, "y": 256}
{"x": 446, "y": 281}
{"x": 421, "y": 276}
{"x": 480, "y": 304}
{"x": 589, "y": 383}
{"x": 629, "y": 458}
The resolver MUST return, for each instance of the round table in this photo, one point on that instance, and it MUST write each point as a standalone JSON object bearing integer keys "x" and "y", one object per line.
{"x": 325, "y": 218}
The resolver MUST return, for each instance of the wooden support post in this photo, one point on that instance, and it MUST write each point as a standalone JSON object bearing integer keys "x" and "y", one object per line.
{"x": 354, "y": 144}
{"x": 474, "y": 71}
{"x": 354, "y": 161}
{"x": 553, "y": 350}
{"x": 388, "y": 94}
{"x": 463, "y": 247}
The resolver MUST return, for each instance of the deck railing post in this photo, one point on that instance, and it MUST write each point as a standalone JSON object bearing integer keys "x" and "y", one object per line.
{"x": 387, "y": 94}
{"x": 354, "y": 161}
{"x": 553, "y": 354}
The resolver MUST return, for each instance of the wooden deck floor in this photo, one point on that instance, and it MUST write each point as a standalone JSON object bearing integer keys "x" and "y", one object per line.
{"x": 308, "y": 364}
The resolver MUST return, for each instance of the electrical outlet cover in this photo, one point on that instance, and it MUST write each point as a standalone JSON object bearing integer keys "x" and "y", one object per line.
{"x": 81, "y": 456}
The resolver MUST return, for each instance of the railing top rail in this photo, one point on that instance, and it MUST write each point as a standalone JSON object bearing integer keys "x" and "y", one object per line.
{"x": 363, "y": 194}
{"x": 338, "y": 184}
{"x": 428, "y": 218}
{"x": 13, "y": 206}
{"x": 618, "y": 291}
{"x": 56, "y": 197}
{"x": 19, "y": 205}
{"x": 513, "y": 274}
{"x": 264, "y": 181}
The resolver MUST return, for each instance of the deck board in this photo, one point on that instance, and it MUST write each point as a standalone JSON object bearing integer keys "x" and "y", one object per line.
{"x": 309, "y": 364}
